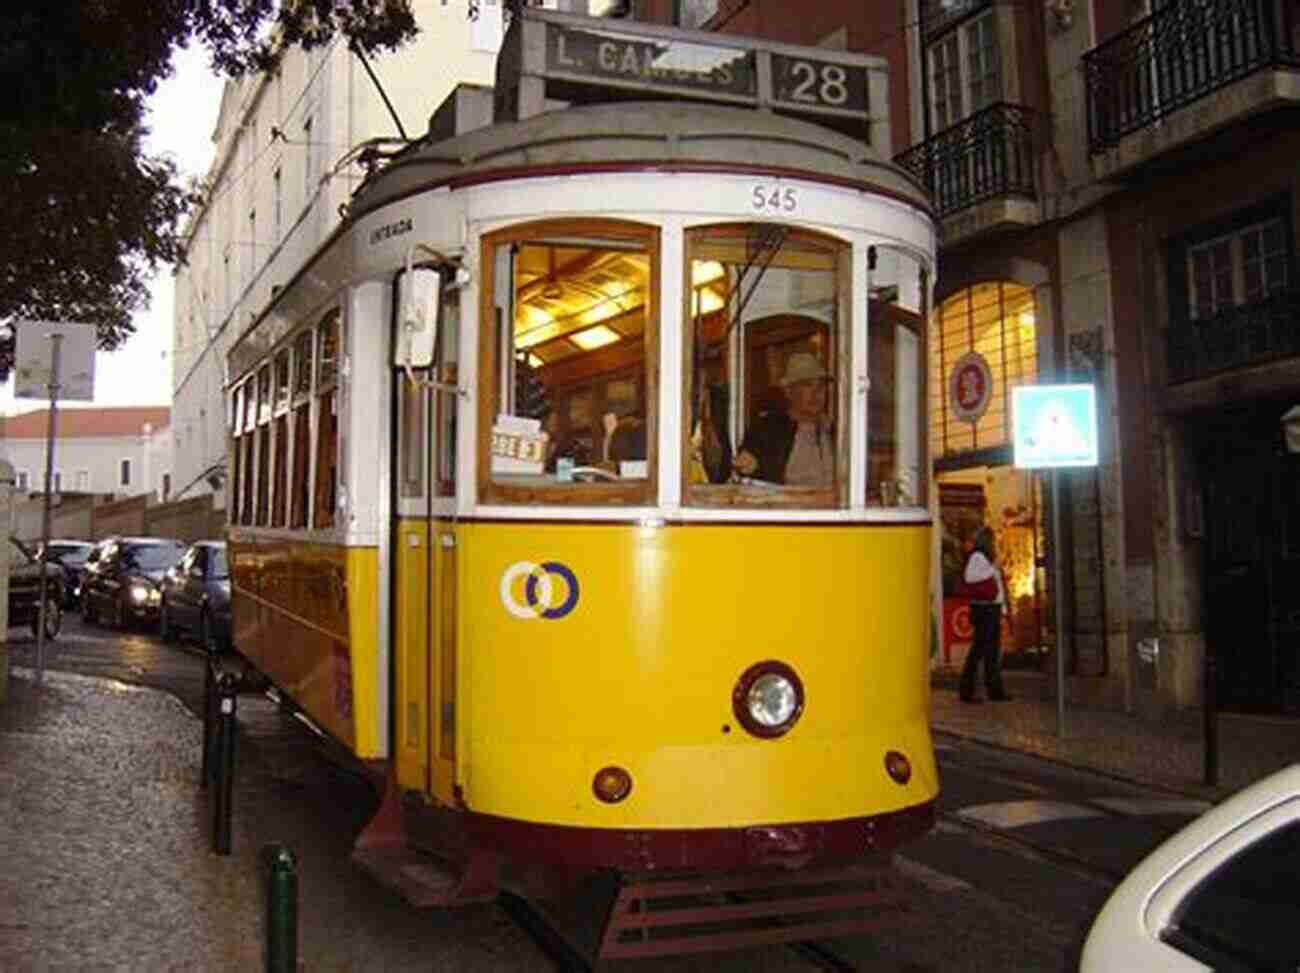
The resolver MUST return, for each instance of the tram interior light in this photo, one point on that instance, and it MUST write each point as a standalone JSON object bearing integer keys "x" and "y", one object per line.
{"x": 596, "y": 337}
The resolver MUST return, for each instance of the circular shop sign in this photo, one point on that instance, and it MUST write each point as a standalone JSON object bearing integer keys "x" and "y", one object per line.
{"x": 970, "y": 386}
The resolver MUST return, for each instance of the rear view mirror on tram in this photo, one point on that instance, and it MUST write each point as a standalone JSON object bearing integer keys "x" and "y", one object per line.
{"x": 419, "y": 298}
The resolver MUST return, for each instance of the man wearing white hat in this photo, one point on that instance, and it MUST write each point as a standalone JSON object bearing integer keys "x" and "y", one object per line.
{"x": 795, "y": 448}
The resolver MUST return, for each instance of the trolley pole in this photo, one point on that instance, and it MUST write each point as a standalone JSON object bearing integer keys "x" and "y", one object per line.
{"x": 56, "y": 341}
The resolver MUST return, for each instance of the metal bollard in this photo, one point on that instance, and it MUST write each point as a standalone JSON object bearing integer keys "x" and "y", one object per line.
{"x": 209, "y": 718}
{"x": 281, "y": 909}
{"x": 227, "y": 687}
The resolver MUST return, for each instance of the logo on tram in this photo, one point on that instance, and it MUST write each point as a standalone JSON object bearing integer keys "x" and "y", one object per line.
{"x": 540, "y": 592}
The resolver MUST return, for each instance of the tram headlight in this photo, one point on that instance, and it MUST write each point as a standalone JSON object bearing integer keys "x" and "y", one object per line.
{"x": 768, "y": 699}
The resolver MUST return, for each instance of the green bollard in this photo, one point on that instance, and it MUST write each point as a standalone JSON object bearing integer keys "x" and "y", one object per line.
{"x": 281, "y": 909}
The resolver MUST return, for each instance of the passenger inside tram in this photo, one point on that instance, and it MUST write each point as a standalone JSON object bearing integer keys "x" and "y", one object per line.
{"x": 794, "y": 446}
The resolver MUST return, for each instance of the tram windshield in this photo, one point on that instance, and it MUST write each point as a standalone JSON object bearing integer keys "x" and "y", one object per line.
{"x": 768, "y": 347}
{"x": 573, "y": 412}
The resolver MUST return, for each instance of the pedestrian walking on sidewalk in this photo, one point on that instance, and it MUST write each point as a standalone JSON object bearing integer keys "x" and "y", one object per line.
{"x": 983, "y": 580}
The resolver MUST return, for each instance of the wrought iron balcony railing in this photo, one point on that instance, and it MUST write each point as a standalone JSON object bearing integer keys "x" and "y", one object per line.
{"x": 1247, "y": 334}
{"x": 1184, "y": 51}
{"x": 987, "y": 155}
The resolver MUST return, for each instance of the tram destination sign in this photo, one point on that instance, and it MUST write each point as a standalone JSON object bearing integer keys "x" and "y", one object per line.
{"x": 549, "y": 57}
{"x": 636, "y": 59}
{"x": 808, "y": 82}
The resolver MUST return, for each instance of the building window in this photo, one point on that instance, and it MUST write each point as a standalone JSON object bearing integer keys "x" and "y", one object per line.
{"x": 125, "y": 478}
{"x": 965, "y": 69}
{"x": 83, "y": 481}
{"x": 23, "y": 482}
{"x": 1241, "y": 267}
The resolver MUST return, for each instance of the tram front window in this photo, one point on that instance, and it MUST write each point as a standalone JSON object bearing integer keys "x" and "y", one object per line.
{"x": 572, "y": 364}
{"x": 768, "y": 356}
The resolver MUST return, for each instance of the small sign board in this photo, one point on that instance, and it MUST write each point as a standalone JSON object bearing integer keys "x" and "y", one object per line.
{"x": 970, "y": 387}
{"x": 518, "y": 445}
{"x": 1054, "y": 425}
{"x": 33, "y": 360}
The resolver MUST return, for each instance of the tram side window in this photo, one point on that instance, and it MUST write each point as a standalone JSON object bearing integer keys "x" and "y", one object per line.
{"x": 263, "y": 445}
{"x": 280, "y": 435}
{"x": 448, "y": 370}
{"x": 767, "y": 347}
{"x": 570, "y": 415}
{"x": 412, "y": 402}
{"x": 301, "y": 406}
{"x": 326, "y": 482}
{"x": 896, "y": 465}
{"x": 237, "y": 472}
{"x": 248, "y": 443}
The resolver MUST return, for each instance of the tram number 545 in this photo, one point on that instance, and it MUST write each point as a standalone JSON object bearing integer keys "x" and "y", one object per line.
{"x": 775, "y": 199}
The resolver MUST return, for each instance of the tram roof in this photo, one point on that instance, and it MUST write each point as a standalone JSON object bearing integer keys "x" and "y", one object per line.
{"x": 636, "y": 134}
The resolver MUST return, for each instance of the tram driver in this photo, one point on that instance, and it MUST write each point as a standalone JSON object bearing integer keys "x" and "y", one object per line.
{"x": 796, "y": 446}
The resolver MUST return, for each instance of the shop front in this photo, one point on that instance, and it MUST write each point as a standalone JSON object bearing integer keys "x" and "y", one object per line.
{"x": 984, "y": 344}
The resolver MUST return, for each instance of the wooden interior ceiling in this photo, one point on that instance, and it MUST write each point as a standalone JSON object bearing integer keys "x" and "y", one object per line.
{"x": 571, "y": 297}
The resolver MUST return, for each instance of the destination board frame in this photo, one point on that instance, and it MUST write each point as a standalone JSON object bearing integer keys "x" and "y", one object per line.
{"x": 549, "y": 59}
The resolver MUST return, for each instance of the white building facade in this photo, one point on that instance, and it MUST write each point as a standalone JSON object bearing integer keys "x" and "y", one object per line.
{"x": 290, "y": 151}
{"x": 122, "y": 452}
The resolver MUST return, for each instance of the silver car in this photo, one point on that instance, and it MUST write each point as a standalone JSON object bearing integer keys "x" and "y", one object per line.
{"x": 1221, "y": 894}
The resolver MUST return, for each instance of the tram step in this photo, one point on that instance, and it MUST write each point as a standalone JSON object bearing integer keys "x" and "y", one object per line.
{"x": 423, "y": 881}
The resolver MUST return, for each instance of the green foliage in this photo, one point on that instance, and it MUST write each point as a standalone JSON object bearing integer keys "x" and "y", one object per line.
{"x": 89, "y": 217}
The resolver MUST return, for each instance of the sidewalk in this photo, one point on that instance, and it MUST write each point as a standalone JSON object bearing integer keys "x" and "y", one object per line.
{"x": 1169, "y": 754}
{"x": 105, "y": 860}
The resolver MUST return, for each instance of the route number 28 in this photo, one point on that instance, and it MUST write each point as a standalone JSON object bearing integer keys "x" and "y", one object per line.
{"x": 774, "y": 199}
{"x": 826, "y": 83}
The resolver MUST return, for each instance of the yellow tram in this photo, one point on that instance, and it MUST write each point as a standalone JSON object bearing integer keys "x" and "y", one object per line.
{"x": 578, "y": 480}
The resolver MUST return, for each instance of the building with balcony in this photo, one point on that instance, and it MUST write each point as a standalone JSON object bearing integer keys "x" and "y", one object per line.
{"x": 1117, "y": 188}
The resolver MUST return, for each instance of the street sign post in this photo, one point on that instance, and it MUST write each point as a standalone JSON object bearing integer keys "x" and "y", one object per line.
{"x": 52, "y": 360}
{"x": 1055, "y": 427}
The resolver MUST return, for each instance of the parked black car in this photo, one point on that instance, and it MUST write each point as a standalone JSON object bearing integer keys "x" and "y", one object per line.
{"x": 123, "y": 585}
{"x": 70, "y": 555}
{"x": 196, "y": 597}
{"x": 25, "y": 589}
{"x": 88, "y": 565}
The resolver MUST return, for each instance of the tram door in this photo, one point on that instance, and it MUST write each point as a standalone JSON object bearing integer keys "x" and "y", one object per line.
{"x": 426, "y": 568}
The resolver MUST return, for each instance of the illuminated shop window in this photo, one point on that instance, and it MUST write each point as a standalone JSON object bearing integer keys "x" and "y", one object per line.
{"x": 996, "y": 321}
